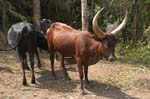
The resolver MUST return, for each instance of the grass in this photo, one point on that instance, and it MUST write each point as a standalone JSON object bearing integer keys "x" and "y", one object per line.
{"x": 138, "y": 54}
{"x": 129, "y": 76}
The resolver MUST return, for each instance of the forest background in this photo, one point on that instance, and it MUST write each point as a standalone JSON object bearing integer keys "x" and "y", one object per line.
{"x": 134, "y": 41}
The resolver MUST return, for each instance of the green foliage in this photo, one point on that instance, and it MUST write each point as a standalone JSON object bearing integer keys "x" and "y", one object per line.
{"x": 147, "y": 36}
{"x": 16, "y": 15}
{"x": 137, "y": 54}
{"x": 147, "y": 1}
{"x": 67, "y": 11}
{"x": 147, "y": 32}
{"x": 136, "y": 31}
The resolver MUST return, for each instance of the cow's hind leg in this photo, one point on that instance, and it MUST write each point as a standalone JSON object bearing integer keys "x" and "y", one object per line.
{"x": 22, "y": 61}
{"x": 31, "y": 56}
{"x": 23, "y": 70}
{"x": 38, "y": 59}
{"x": 26, "y": 64}
{"x": 66, "y": 77}
{"x": 52, "y": 65}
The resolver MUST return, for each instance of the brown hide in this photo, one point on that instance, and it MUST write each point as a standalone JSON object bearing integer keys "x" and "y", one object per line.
{"x": 71, "y": 42}
{"x": 80, "y": 44}
{"x": 86, "y": 48}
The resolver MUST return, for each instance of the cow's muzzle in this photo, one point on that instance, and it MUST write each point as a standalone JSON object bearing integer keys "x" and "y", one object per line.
{"x": 112, "y": 58}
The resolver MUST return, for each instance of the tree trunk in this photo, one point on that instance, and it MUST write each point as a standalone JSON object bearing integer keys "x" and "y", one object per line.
{"x": 36, "y": 14}
{"x": 4, "y": 22}
{"x": 84, "y": 9}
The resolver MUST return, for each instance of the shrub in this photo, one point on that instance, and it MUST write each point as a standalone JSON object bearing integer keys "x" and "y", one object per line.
{"x": 139, "y": 53}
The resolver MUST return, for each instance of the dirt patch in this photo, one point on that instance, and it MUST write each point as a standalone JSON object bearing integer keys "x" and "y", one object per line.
{"x": 108, "y": 81}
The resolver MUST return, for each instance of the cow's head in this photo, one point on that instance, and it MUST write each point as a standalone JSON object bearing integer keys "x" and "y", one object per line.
{"x": 108, "y": 39}
{"x": 45, "y": 24}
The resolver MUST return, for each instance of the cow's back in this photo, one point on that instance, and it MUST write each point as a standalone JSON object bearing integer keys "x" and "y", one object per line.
{"x": 70, "y": 42}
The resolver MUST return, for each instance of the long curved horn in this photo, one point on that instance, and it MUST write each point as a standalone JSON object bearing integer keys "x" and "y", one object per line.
{"x": 119, "y": 28}
{"x": 99, "y": 33}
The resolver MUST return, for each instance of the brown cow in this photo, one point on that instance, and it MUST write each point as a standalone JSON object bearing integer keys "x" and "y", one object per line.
{"x": 86, "y": 48}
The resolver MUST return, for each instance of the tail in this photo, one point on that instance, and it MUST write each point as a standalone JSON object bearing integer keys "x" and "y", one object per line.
{"x": 8, "y": 48}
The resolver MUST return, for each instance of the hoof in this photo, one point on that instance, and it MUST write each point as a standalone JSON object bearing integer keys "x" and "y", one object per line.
{"x": 67, "y": 78}
{"x": 24, "y": 83}
{"x": 87, "y": 84}
{"x": 53, "y": 78}
{"x": 27, "y": 68}
{"x": 39, "y": 65}
{"x": 82, "y": 93}
{"x": 33, "y": 82}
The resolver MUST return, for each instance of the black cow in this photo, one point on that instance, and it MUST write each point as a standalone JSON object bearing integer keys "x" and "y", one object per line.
{"x": 42, "y": 41}
{"x": 45, "y": 24}
{"x": 23, "y": 38}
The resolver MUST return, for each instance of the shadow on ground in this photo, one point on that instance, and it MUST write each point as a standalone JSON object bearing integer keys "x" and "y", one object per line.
{"x": 5, "y": 69}
{"x": 59, "y": 85}
{"x": 96, "y": 88}
{"x": 107, "y": 90}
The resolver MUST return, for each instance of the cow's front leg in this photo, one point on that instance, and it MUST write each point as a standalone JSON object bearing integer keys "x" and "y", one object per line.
{"x": 66, "y": 77}
{"x": 31, "y": 56}
{"x": 86, "y": 75}
{"x": 52, "y": 66}
{"x": 80, "y": 70}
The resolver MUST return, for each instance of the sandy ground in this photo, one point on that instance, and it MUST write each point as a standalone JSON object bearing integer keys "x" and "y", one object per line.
{"x": 100, "y": 88}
